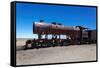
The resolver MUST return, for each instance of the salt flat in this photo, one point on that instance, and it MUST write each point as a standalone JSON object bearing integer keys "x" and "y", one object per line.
{"x": 72, "y": 53}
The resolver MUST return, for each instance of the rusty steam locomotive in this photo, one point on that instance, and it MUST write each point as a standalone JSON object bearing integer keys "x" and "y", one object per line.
{"x": 74, "y": 35}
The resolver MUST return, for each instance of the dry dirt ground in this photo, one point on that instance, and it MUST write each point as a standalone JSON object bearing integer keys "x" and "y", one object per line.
{"x": 72, "y": 53}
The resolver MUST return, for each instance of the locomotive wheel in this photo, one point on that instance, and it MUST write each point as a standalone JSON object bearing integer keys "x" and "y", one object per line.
{"x": 33, "y": 45}
{"x": 25, "y": 47}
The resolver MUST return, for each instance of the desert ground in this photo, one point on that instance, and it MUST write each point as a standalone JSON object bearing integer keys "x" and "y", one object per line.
{"x": 71, "y": 53}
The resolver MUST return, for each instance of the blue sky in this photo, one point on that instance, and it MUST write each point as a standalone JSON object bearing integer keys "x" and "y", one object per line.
{"x": 26, "y": 14}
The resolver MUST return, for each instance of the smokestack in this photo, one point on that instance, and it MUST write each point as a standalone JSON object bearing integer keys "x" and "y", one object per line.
{"x": 41, "y": 20}
{"x": 54, "y": 23}
{"x": 33, "y": 27}
{"x": 59, "y": 24}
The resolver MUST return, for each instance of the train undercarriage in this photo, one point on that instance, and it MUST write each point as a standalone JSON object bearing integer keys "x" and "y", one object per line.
{"x": 43, "y": 43}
